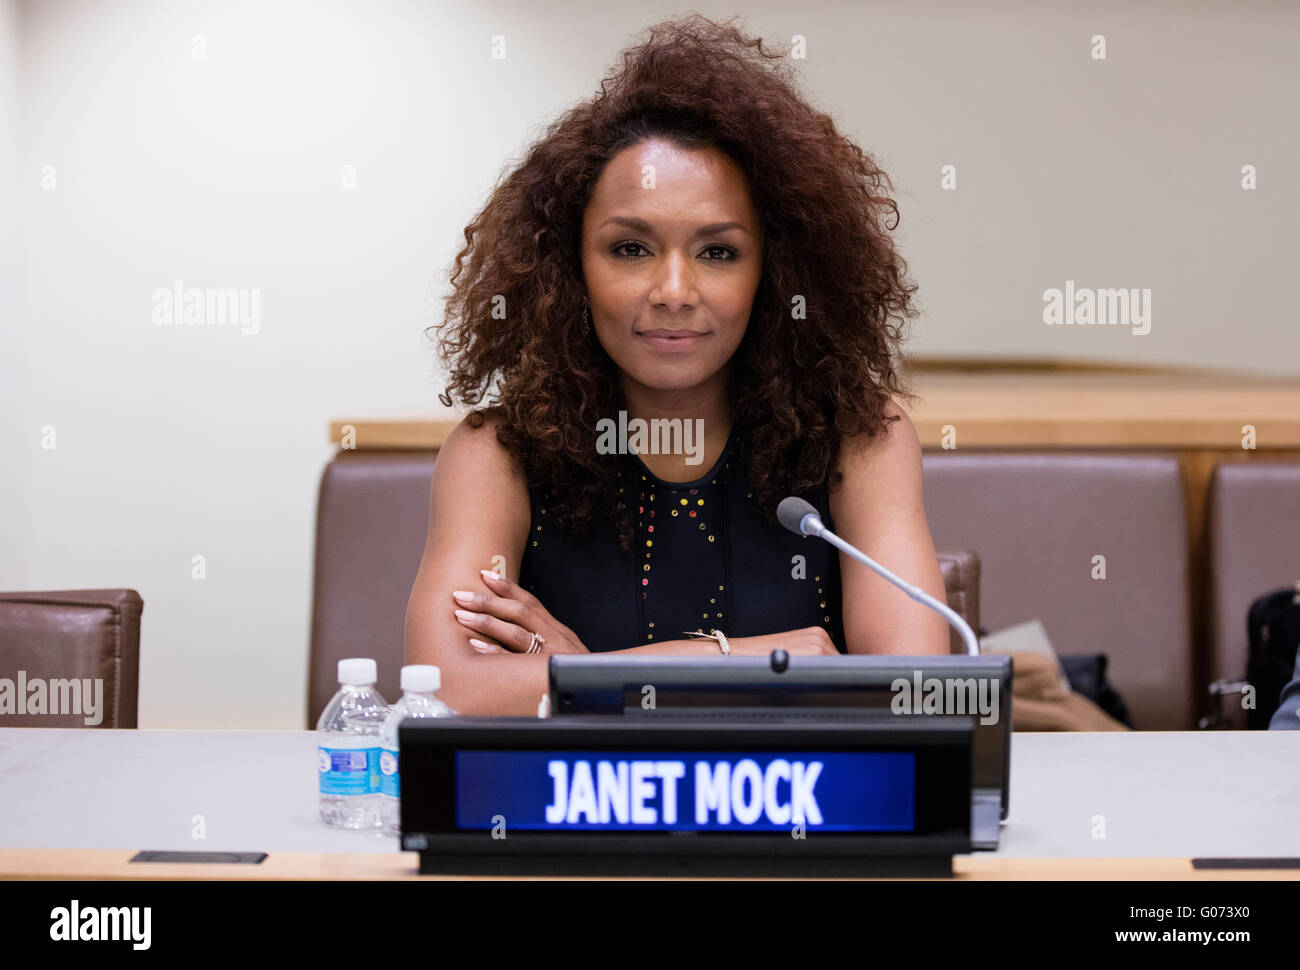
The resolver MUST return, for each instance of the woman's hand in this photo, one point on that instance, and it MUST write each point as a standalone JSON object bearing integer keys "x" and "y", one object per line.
{"x": 504, "y": 619}
{"x": 811, "y": 641}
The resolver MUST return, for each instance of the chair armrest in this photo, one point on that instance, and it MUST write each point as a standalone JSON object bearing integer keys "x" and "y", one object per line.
{"x": 961, "y": 583}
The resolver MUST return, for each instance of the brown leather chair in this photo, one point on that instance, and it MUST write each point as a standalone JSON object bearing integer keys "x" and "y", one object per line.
{"x": 83, "y": 646}
{"x": 1253, "y": 528}
{"x": 371, "y": 522}
{"x": 1039, "y": 519}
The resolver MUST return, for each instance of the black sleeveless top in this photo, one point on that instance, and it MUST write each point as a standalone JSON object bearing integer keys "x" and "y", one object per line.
{"x": 703, "y": 557}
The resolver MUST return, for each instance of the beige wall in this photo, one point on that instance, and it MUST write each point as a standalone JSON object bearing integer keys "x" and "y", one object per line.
{"x": 175, "y": 442}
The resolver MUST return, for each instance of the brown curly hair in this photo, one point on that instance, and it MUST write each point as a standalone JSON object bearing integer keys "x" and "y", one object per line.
{"x": 797, "y": 384}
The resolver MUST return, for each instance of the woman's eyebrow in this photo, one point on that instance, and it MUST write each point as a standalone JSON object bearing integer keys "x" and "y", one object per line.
{"x": 640, "y": 225}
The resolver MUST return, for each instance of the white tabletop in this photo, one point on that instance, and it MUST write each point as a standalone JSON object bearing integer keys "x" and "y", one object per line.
{"x": 1150, "y": 794}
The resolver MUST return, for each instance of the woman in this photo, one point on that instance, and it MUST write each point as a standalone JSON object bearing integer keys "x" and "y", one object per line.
{"x": 697, "y": 245}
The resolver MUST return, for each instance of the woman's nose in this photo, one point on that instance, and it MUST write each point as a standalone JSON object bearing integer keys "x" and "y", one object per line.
{"x": 674, "y": 285}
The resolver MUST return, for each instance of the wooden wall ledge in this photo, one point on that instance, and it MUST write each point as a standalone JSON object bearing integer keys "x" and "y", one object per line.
{"x": 1022, "y": 408}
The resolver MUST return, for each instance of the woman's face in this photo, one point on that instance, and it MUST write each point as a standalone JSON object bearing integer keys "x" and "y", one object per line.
{"x": 671, "y": 253}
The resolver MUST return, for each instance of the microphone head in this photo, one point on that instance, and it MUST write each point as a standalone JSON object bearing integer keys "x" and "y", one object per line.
{"x": 791, "y": 512}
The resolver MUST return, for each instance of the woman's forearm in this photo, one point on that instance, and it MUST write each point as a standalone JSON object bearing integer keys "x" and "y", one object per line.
{"x": 512, "y": 684}
{"x": 675, "y": 648}
{"x": 495, "y": 684}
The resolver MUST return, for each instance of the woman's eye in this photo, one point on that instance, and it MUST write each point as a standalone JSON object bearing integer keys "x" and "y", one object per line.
{"x": 727, "y": 253}
{"x": 620, "y": 249}
{"x": 715, "y": 253}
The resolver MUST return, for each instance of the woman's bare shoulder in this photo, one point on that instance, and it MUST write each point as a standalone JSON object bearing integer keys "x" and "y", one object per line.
{"x": 474, "y": 443}
{"x": 480, "y": 496}
{"x": 896, "y": 445}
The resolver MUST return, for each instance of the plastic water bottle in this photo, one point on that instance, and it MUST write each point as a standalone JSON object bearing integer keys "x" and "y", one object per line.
{"x": 347, "y": 752}
{"x": 419, "y": 682}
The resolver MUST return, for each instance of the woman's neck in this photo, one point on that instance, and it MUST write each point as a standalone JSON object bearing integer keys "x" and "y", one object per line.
{"x": 704, "y": 424}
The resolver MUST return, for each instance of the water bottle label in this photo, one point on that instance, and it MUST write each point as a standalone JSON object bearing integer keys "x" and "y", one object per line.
{"x": 389, "y": 780}
{"x": 348, "y": 771}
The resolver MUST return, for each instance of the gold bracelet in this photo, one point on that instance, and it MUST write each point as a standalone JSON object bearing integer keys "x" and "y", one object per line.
{"x": 713, "y": 634}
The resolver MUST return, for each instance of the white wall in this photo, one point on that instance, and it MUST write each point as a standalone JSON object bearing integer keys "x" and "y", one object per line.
{"x": 15, "y": 443}
{"x": 224, "y": 172}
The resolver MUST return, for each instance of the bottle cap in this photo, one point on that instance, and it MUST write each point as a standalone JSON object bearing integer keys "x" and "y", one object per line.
{"x": 358, "y": 670}
{"x": 421, "y": 678}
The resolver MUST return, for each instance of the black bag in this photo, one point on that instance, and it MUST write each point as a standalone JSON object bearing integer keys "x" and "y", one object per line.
{"x": 1087, "y": 676}
{"x": 1273, "y": 625}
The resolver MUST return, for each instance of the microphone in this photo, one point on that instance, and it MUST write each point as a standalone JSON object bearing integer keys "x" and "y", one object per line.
{"x": 802, "y": 519}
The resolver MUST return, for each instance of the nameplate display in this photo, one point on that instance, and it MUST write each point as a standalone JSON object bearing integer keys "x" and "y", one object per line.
{"x": 597, "y": 794}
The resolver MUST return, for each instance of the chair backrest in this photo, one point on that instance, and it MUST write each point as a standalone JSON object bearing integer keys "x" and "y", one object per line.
{"x": 73, "y": 653}
{"x": 372, "y": 518}
{"x": 1040, "y": 522}
{"x": 1253, "y": 529}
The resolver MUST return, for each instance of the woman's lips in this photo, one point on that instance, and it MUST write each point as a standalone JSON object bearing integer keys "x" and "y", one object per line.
{"x": 672, "y": 341}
